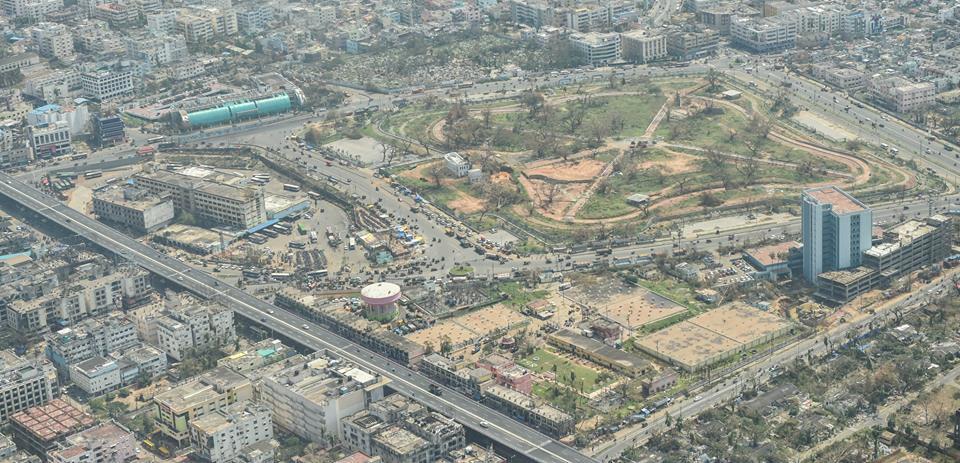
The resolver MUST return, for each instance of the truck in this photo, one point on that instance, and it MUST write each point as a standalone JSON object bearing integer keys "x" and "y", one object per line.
{"x": 313, "y": 237}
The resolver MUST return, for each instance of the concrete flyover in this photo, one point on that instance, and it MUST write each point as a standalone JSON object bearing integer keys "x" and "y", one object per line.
{"x": 525, "y": 443}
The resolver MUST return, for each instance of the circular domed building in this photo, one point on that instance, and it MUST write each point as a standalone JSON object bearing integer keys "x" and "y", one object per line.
{"x": 380, "y": 300}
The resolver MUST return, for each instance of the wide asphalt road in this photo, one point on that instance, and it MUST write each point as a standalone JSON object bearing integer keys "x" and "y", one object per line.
{"x": 526, "y": 441}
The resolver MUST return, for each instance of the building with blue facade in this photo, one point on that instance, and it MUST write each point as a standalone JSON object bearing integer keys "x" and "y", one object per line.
{"x": 237, "y": 111}
{"x": 836, "y": 228}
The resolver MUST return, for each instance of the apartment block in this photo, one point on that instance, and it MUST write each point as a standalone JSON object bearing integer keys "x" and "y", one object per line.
{"x": 24, "y": 384}
{"x": 76, "y": 117}
{"x": 20, "y": 60}
{"x": 89, "y": 338}
{"x": 133, "y": 208}
{"x": 596, "y": 47}
{"x": 104, "y": 443}
{"x": 643, "y": 47}
{"x": 53, "y": 41}
{"x": 836, "y": 230}
{"x": 254, "y": 19}
{"x": 212, "y": 391}
{"x": 96, "y": 376}
{"x": 205, "y": 24}
{"x": 105, "y": 85}
{"x": 211, "y": 202}
{"x": 687, "y": 45}
{"x": 912, "y": 97}
{"x": 222, "y": 436}
{"x": 534, "y": 13}
{"x": 194, "y": 327}
{"x": 426, "y": 434}
{"x": 310, "y": 399}
{"x": 163, "y": 23}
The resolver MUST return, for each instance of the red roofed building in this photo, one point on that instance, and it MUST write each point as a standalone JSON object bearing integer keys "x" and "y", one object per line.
{"x": 40, "y": 429}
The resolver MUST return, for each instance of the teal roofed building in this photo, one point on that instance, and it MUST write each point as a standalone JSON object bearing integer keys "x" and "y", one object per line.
{"x": 239, "y": 110}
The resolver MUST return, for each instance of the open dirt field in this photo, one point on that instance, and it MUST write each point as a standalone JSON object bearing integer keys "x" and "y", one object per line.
{"x": 580, "y": 170}
{"x": 677, "y": 163}
{"x": 566, "y": 195}
{"x": 466, "y": 204}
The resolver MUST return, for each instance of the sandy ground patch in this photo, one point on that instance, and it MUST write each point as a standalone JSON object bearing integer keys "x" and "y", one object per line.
{"x": 539, "y": 191}
{"x": 466, "y": 204}
{"x": 823, "y": 126}
{"x": 581, "y": 170}
{"x": 677, "y": 163}
{"x": 365, "y": 148}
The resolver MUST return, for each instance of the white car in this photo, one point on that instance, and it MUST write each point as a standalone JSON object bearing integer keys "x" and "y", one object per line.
{"x": 484, "y": 424}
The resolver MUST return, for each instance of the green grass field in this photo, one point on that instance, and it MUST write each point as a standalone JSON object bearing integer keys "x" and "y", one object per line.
{"x": 543, "y": 361}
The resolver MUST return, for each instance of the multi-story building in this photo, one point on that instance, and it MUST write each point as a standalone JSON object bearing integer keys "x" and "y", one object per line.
{"x": 254, "y": 18}
{"x": 49, "y": 140}
{"x": 75, "y": 117}
{"x": 90, "y": 338}
{"x": 78, "y": 301}
{"x": 845, "y": 78}
{"x": 14, "y": 151}
{"x": 397, "y": 445}
{"x": 428, "y": 434}
{"x": 159, "y": 49}
{"x": 205, "y": 24}
{"x": 643, "y": 47}
{"x": 456, "y": 164}
{"x": 96, "y": 375}
{"x": 910, "y": 246}
{"x": 210, "y": 202}
{"x": 586, "y": 18}
{"x": 33, "y": 10}
{"x": 263, "y": 353}
{"x": 108, "y": 130}
{"x": 104, "y": 85}
{"x": 20, "y": 60}
{"x": 836, "y": 230}
{"x": 764, "y": 35}
{"x": 133, "y": 208}
{"x": 597, "y": 48}
{"x": 104, "y": 443}
{"x": 195, "y": 327}
{"x": 534, "y": 13}
{"x": 53, "y": 41}
{"x": 163, "y": 23}
{"x": 212, "y": 391}
{"x": 42, "y": 428}
{"x": 221, "y": 436}
{"x": 310, "y": 399}
{"x": 24, "y": 384}
{"x": 546, "y": 418}
{"x": 117, "y": 14}
{"x": 687, "y": 45}
{"x": 53, "y": 85}
{"x": 912, "y": 97}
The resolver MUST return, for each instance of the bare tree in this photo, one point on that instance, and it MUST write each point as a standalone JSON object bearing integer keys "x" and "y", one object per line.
{"x": 436, "y": 172}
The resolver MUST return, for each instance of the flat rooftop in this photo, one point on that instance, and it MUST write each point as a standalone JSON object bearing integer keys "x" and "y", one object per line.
{"x": 772, "y": 254}
{"x": 624, "y": 359}
{"x": 842, "y": 202}
{"x": 848, "y": 276}
{"x": 52, "y": 421}
{"x": 713, "y": 334}
{"x": 638, "y": 308}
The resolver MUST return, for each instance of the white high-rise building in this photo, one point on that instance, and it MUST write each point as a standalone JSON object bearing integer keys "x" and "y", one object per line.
{"x": 836, "y": 230}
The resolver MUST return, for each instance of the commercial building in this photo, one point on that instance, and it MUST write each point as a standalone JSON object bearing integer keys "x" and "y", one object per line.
{"x": 549, "y": 420}
{"x": 643, "y": 47}
{"x": 49, "y": 140}
{"x": 311, "y": 398}
{"x": 90, "y": 338}
{"x": 397, "y": 429}
{"x": 764, "y": 35}
{"x": 906, "y": 247}
{"x": 104, "y": 85}
{"x": 597, "y": 48}
{"x": 238, "y": 110}
{"x": 210, "y": 202}
{"x": 687, "y": 45}
{"x": 836, "y": 230}
{"x": 104, "y": 443}
{"x": 534, "y": 13}
{"x": 76, "y": 117}
{"x": 96, "y": 375}
{"x": 222, "y": 436}
{"x": 212, "y": 391}
{"x": 133, "y": 208}
{"x": 53, "y": 41}
{"x": 847, "y": 79}
{"x": 109, "y": 130}
{"x": 41, "y": 428}
{"x": 24, "y": 384}
{"x": 14, "y": 151}
{"x": 194, "y": 327}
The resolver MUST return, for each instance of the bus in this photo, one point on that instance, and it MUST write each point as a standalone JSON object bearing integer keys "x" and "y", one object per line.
{"x": 257, "y": 238}
{"x": 263, "y": 176}
{"x": 296, "y": 245}
{"x": 300, "y": 229}
{"x": 280, "y": 276}
{"x": 270, "y": 233}
{"x": 146, "y": 150}
{"x": 352, "y": 244}
{"x": 78, "y": 156}
{"x": 251, "y": 273}
{"x": 291, "y": 187}
{"x": 314, "y": 194}
{"x": 155, "y": 140}
{"x": 313, "y": 237}
{"x": 93, "y": 174}
{"x": 318, "y": 273}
